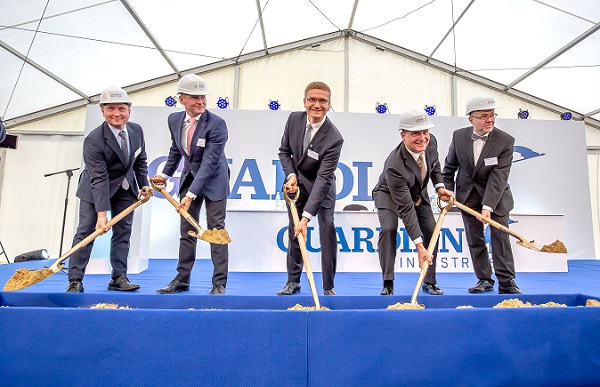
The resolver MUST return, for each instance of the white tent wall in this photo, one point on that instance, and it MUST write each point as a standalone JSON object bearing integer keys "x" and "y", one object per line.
{"x": 283, "y": 77}
{"x": 31, "y": 206}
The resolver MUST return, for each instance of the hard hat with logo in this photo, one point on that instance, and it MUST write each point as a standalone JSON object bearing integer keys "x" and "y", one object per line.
{"x": 114, "y": 94}
{"x": 415, "y": 120}
{"x": 192, "y": 84}
{"x": 480, "y": 102}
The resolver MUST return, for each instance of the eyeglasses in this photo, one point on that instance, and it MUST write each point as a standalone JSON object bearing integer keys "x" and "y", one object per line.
{"x": 314, "y": 101}
{"x": 486, "y": 117}
{"x": 200, "y": 97}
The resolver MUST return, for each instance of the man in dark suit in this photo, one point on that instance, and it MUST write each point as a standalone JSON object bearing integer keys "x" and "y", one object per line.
{"x": 309, "y": 154}
{"x": 401, "y": 192}
{"x": 115, "y": 169}
{"x": 477, "y": 168}
{"x": 198, "y": 136}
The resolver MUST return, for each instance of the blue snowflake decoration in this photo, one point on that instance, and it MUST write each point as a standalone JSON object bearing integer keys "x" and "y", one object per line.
{"x": 222, "y": 103}
{"x": 381, "y": 109}
{"x": 274, "y": 105}
{"x": 566, "y": 116}
{"x": 430, "y": 110}
{"x": 523, "y": 114}
{"x": 170, "y": 101}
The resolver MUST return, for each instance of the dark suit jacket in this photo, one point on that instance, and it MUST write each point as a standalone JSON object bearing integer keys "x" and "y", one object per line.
{"x": 207, "y": 163}
{"x": 400, "y": 184}
{"x": 317, "y": 176}
{"x": 105, "y": 166}
{"x": 490, "y": 181}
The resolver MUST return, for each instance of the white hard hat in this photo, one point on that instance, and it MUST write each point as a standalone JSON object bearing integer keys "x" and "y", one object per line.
{"x": 114, "y": 94}
{"x": 415, "y": 120}
{"x": 192, "y": 84}
{"x": 480, "y": 102}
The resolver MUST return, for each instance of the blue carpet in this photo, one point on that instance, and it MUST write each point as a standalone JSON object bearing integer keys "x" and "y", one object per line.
{"x": 583, "y": 277}
{"x": 248, "y": 338}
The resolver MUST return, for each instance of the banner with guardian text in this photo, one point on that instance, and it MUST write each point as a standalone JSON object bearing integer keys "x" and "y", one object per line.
{"x": 543, "y": 180}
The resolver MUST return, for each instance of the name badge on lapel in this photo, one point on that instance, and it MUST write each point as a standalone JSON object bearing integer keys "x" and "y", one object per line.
{"x": 201, "y": 142}
{"x": 313, "y": 155}
{"x": 490, "y": 161}
{"x": 137, "y": 153}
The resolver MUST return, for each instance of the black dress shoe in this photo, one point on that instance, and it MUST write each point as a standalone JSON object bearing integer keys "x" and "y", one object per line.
{"x": 174, "y": 287}
{"x": 482, "y": 286}
{"x": 122, "y": 283}
{"x": 329, "y": 292}
{"x": 387, "y": 292}
{"x": 75, "y": 286}
{"x": 513, "y": 289}
{"x": 289, "y": 289}
{"x": 432, "y": 289}
{"x": 217, "y": 289}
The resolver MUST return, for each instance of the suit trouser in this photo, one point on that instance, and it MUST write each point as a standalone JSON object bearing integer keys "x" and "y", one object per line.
{"x": 388, "y": 243}
{"x": 502, "y": 256}
{"x": 215, "y": 218}
{"x": 119, "y": 242}
{"x": 328, "y": 240}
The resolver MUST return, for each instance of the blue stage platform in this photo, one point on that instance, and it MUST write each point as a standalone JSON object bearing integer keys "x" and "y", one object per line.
{"x": 248, "y": 337}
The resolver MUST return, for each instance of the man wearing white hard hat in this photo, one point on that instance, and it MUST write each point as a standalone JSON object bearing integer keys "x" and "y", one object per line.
{"x": 198, "y": 137}
{"x": 401, "y": 192}
{"x": 477, "y": 168}
{"x": 115, "y": 171}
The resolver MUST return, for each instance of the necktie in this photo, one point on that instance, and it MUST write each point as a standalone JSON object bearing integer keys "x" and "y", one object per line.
{"x": 307, "y": 136}
{"x": 476, "y": 137}
{"x": 125, "y": 149}
{"x": 477, "y": 145}
{"x": 422, "y": 166}
{"x": 190, "y": 134}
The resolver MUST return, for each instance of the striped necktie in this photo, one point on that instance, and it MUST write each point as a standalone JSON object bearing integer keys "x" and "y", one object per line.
{"x": 422, "y": 166}
{"x": 125, "y": 149}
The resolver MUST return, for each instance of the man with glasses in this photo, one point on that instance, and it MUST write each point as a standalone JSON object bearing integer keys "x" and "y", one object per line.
{"x": 477, "y": 168}
{"x": 309, "y": 154}
{"x": 198, "y": 137}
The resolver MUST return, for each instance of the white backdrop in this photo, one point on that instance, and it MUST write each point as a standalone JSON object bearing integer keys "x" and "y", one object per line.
{"x": 538, "y": 176}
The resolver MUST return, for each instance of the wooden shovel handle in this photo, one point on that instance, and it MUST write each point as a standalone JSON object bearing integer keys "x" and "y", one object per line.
{"x": 302, "y": 243}
{"x": 186, "y": 215}
{"x": 490, "y": 221}
{"x": 434, "y": 238}
{"x": 141, "y": 200}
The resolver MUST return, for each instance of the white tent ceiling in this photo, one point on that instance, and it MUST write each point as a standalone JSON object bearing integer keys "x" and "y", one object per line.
{"x": 61, "y": 53}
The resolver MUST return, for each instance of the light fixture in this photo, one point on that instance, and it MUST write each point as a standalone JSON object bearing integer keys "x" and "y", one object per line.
{"x": 379, "y": 48}
{"x": 315, "y": 45}
{"x": 381, "y": 108}
{"x": 222, "y": 103}
{"x": 566, "y": 116}
{"x": 170, "y": 101}
{"x": 274, "y": 105}
{"x": 430, "y": 110}
{"x": 36, "y": 255}
{"x": 523, "y": 114}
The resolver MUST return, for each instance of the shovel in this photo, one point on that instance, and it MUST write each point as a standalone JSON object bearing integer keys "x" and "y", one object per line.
{"x": 24, "y": 277}
{"x": 434, "y": 238}
{"x": 302, "y": 243}
{"x": 556, "y": 247}
{"x": 219, "y": 237}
